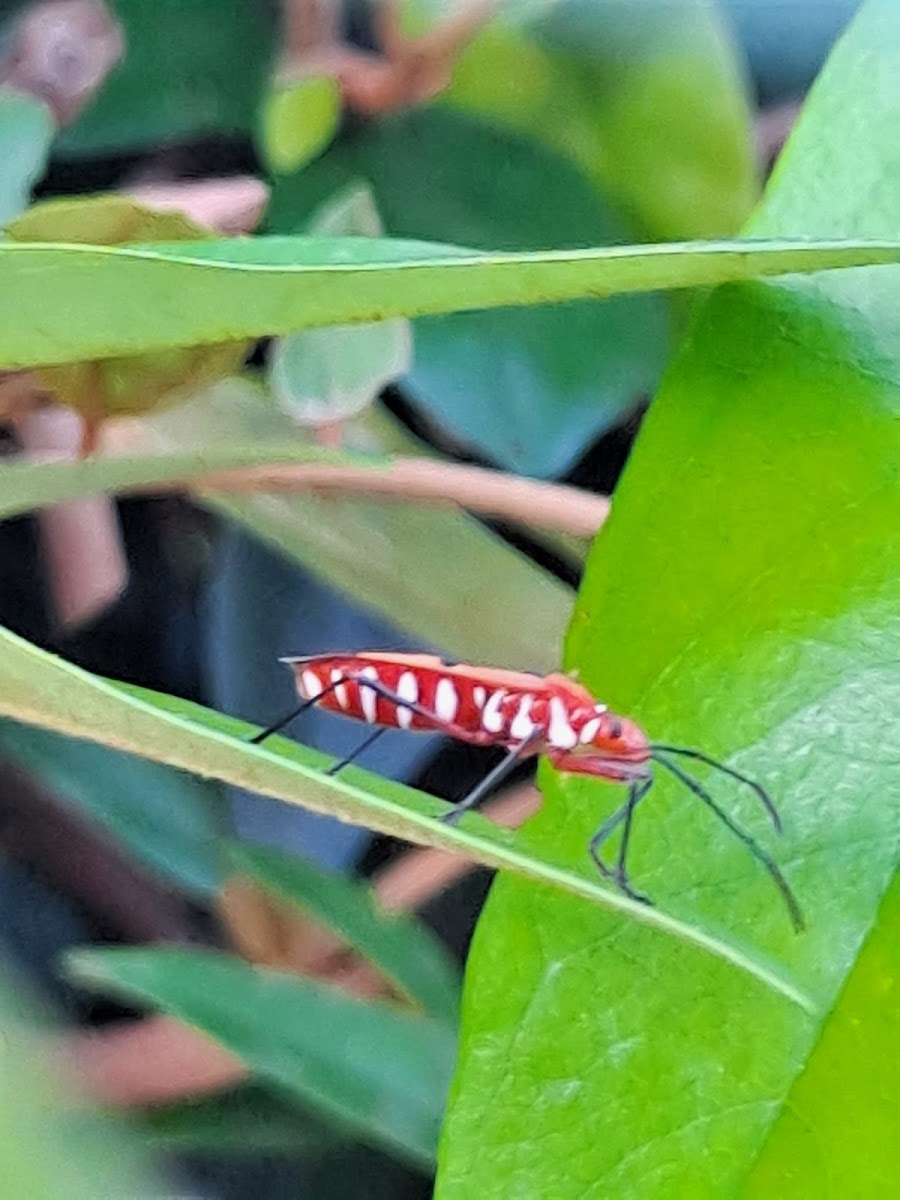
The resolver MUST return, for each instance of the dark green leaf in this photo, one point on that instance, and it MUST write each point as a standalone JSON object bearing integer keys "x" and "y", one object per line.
{"x": 190, "y": 67}
{"x": 374, "y": 1070}
{"x": 165, "y": 817}
{"x": 250, "y": 1120}
{"x": 402, "y": 948}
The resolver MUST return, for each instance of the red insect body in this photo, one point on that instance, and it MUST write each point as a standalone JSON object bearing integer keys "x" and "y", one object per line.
{"x": 526, "y": 715}
{"x": 550, "y": 715}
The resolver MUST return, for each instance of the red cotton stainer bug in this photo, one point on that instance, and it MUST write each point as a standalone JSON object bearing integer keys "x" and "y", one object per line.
{"x": 525, "y": 714}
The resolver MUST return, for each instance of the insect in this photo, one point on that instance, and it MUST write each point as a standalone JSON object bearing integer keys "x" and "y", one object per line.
{"x": 527, "y": 715}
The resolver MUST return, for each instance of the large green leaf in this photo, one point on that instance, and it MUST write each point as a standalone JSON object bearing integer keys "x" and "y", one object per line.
{"x": 529, "y": 387}
{"x": 650, "y": 102}
{"x": 42, "y": 690}
{"x": 190, "y": 67}
{"x": 167, "y": 818}
{"x": 369, "y": 1067}
{"x": 743, "y": 598}
{"x": 187, "y": 294}
{"x": 404, "y": 950}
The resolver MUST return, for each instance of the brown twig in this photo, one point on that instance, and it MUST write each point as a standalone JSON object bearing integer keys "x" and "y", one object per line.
{"x": 491, "y": 493}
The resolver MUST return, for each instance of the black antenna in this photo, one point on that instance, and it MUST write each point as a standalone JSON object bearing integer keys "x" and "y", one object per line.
{"x": 764, "y": 796}
{"x": 752, "y": 845}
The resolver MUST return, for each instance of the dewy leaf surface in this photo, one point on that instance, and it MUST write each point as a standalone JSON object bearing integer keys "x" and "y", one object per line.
{"x": 744, "y": 599}
{"x": 145, "y": 298}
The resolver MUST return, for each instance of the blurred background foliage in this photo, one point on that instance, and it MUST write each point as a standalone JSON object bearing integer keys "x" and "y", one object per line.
{"x": 571, "y": 124}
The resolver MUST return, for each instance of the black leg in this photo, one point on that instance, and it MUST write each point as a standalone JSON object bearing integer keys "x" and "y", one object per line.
{"x": 619, "y": 874}
{"x": 259, "y": 738}
{"x": 503, "y": 768}
{"x": 354, "y": 754}
{"x": 752, "y": 845}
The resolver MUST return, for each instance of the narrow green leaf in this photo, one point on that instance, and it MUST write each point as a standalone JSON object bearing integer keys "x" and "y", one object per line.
{"x": 43, "y": 690}
{"x": 374, "y": 1070}
{"x": 250, "y": 1120}
{"x": 403, "y": 949}
{"x": 189, "y": 294}
{"x": 744, "y": 603}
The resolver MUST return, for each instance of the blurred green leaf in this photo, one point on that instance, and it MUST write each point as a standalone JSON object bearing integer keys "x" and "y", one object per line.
{"x": 299, "y": 119}
{"x": 530, "y": 388}
{"x": 649, "y": 100}
{"x": 249, "y": 1120}
{"x": 54, "y": 1148}
{"x": 753, "y": 594}
{"x": 43, "y": 690}
{"x": 190, "y": 67}
{"x": 372, "y": 1069}
{"x": 28, "y": 485}
{"x": 433, "y": 567}
{"x": 330, "y": 374}
{"x": 150, "y": 298}
{"x": 139, "y": 382}
{"x": 26, "y": 131}
{"x": 167, "y": 818}
{"x": 402, "y": 948}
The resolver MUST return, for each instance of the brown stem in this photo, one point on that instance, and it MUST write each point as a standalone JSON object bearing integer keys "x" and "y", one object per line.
{"x": 492, "y": 493}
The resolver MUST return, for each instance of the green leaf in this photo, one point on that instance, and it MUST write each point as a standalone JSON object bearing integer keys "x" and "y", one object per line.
{"x": 249, "y": 1120}
{"x": 403, "y": 949}
{"x": 168, "y": 819}
{"x": 433, "y": 567}
{"x": 191, "y": 67}
{"x": 25, "y": 485}
{"x": 298, "y": 121}
{"x": 835, "y": 1133}
{"x": 746, "y": 604}
{"x": 26, "y": 131}
{"x": 370, "y": 1068}
{"x": 137, "y": 383}
{"x": 52, "y": 1147}
{"x": 528, "y": 387}
{"x": 467, "y": 568}
{"x": 42, "y": 690}
{"x": 650, "y": 103}
{"x": 193, "y": 293}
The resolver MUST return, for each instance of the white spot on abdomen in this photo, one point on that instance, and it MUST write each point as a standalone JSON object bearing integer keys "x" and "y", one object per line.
{"x": 367, "y": 698}
{"x": 446, "y": 700}
{"x": 589, "y": 730}
{"x": 340, "y": 692}
{"x": 309, "y": 685}
{"x": 560, "y": 735}
{"x": 491, "y": 717}
{"x": 522, "y": 727}
{"x": 407, "y": 689}
{"x": 479, "y": 695}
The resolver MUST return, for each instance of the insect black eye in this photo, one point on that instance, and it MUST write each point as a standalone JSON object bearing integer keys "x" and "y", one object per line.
{"x": 615, "y": 728}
